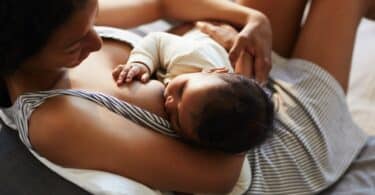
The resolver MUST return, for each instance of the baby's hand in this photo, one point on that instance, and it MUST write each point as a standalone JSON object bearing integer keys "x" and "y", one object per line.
{"x": 124, "y": 73}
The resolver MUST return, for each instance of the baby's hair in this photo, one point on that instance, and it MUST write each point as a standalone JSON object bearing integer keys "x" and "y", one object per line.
{"x": 237, "y": 116}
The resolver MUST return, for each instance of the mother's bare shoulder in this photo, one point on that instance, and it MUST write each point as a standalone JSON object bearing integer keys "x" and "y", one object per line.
{"x": 58, "y": 120}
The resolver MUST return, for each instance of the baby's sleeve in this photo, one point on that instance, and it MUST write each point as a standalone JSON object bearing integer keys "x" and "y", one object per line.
{"x": 152, "y": 50}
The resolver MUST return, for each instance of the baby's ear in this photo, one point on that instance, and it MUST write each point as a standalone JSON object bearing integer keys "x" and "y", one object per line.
{"x": 167, "y": 81}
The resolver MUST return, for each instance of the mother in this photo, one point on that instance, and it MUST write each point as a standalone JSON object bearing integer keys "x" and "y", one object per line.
{"x": 42, "y": 44}
{"x": 85, "y": 135}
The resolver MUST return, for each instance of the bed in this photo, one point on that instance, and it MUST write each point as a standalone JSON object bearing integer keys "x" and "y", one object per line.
{"x": 21, "y": 173}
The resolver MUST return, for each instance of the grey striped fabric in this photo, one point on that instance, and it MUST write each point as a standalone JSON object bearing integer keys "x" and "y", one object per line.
{"x": 315, "y": 138}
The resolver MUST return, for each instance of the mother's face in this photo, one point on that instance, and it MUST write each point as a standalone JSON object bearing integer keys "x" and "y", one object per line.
{"x": 71, "y": 43}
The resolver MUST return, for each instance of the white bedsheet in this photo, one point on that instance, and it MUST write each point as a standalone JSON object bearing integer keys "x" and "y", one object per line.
{"x": 99, "y": 182}
{"x": 104, "y": 183}
{"x": 361, "y": 94}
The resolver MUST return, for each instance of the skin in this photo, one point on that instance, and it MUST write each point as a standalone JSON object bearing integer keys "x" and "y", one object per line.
{"x": 335, "y": 44}
{"x": 84, "y": 135}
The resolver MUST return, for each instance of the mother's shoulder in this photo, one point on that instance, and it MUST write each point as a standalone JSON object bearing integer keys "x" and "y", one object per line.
{"x": 59, "y": 111}
{"x": 60, "y": 119}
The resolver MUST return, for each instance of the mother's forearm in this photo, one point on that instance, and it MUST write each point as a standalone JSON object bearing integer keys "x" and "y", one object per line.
{"x": 194, "y": 10}
{"x": 126, "y": 14}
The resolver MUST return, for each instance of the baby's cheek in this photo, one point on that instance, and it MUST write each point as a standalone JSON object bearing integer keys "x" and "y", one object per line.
{"x": 186, "y": 129}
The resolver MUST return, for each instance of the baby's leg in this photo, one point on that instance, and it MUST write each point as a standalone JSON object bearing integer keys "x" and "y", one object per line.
{"x": 285, "y": 17}
{"x": 328, "y": 36}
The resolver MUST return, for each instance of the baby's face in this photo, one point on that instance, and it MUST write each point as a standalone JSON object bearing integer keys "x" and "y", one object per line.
{"x": 184, "y": 96}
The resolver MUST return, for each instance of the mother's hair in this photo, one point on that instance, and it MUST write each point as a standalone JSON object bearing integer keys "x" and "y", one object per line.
{"x": 26, "y": 27}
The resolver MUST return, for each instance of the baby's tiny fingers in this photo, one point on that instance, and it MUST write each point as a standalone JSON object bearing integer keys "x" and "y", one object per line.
{"x": 145, "y": 77}
{"x": 134, "y": 71}
{"x": 116, "y": 72}
{"x": 121, "y": 77}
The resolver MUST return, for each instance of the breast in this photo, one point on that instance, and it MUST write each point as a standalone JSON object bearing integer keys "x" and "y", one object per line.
{"x": 95, "y": 74}
{"x": 148, "y": 96}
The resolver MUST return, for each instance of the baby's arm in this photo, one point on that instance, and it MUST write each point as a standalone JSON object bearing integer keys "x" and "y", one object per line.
{"x": 151, "y": 54}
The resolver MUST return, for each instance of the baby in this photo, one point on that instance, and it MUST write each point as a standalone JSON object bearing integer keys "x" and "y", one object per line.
{"x": 206, "y": 103}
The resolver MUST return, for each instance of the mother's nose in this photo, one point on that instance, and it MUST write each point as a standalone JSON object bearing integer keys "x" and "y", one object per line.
{"x": 93, "y": 41}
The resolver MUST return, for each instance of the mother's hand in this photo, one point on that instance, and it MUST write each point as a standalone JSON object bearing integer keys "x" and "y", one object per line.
{"x": 254, "y": 39}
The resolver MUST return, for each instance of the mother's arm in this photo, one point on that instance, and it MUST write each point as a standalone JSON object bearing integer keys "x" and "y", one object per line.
{"x": 84, "y": 135}
{"x": 126, "y": 14}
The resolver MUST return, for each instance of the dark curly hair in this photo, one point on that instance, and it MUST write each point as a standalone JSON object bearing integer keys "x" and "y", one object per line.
{"x": 237, "y": 117}
{"x": 26, "y": 27}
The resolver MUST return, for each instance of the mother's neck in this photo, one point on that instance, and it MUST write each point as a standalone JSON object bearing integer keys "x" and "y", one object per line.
{"x": 23, "y": 81}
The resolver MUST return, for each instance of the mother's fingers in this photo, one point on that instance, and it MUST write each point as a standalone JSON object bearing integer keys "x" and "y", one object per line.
{"x": 255, "y": 49}
{"x": 263, "y": 63}
{"x": 261, "y": 70}
{"x": 240, "y": 44}
{"x": 245, "y": 65}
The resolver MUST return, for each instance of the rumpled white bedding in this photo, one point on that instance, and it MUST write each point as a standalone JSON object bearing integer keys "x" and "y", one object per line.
{"x": 99, "y": 182}
{"x": 361, "y": 95}
{"x": 105, "y": 183}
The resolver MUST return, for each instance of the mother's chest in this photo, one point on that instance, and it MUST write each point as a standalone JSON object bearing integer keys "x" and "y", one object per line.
{"x": 95, "y": 74}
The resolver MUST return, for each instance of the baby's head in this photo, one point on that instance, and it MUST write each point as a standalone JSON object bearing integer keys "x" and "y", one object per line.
{"x": 222, "y": 111}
